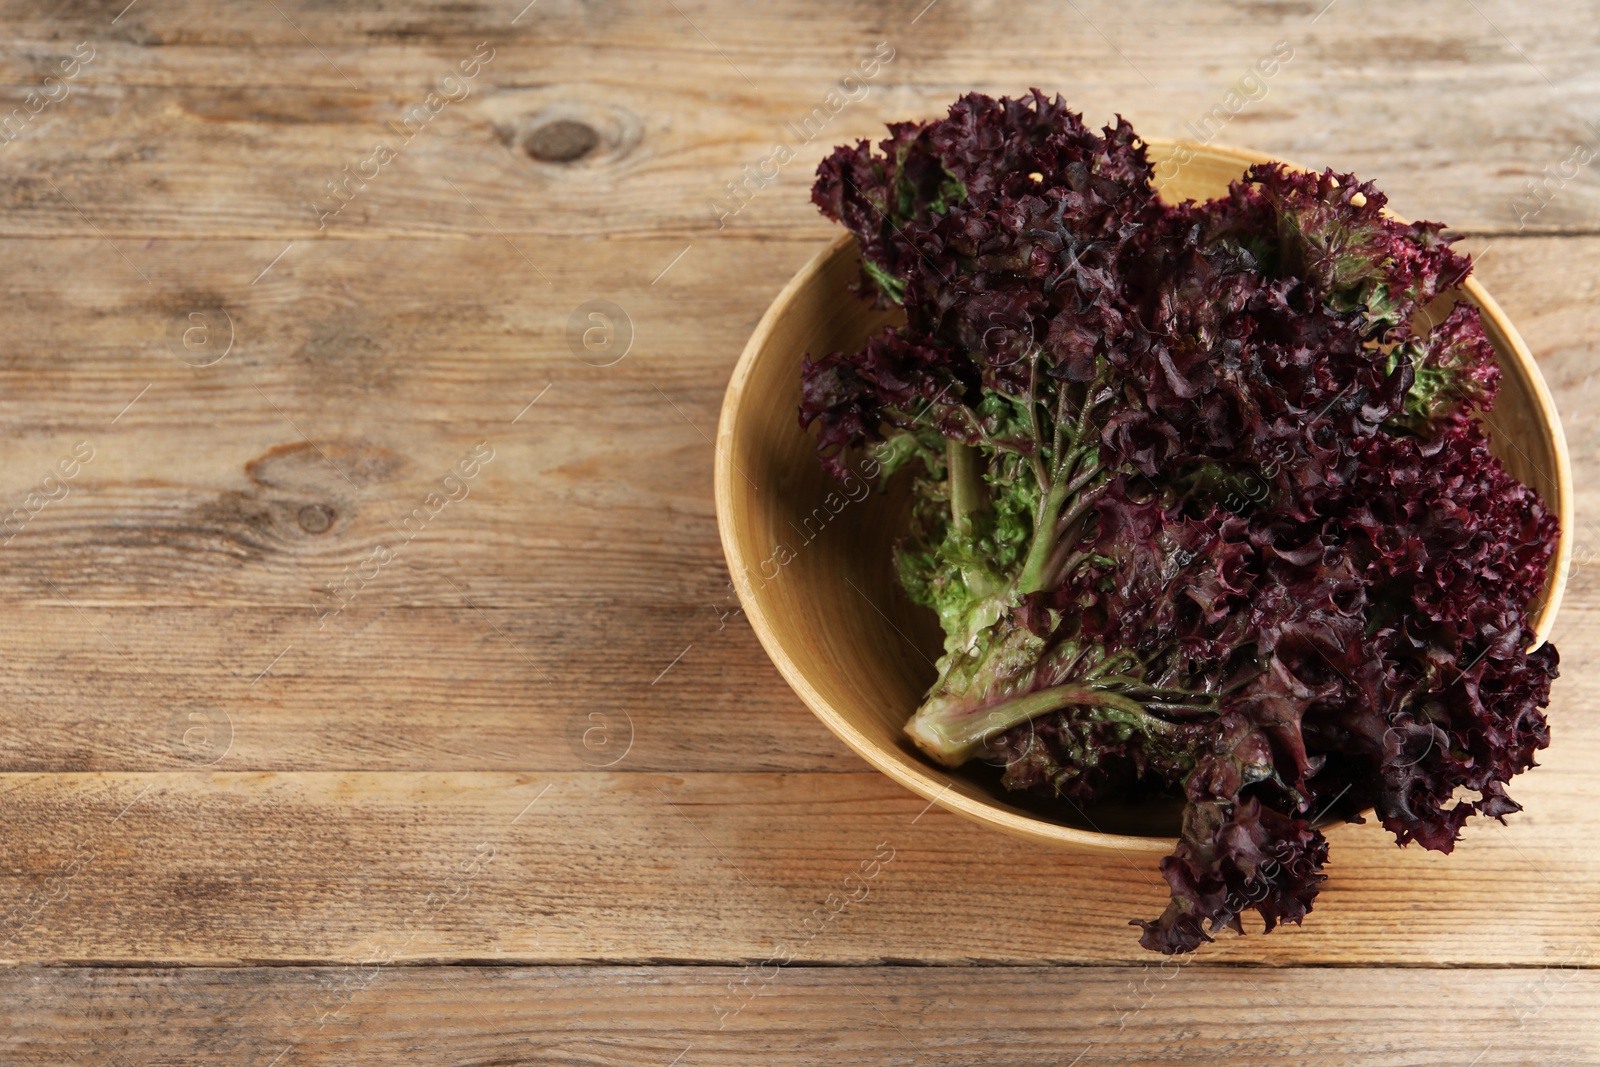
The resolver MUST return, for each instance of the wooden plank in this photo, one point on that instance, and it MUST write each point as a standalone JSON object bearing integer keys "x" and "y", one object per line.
{"x": 440, "y": 689}
{"x": 355, "y": 387}
{"x": 656, "y": 1016}
{"x": 341, "y": 867}
{"x": 401, "y": 688}
{"x": 165, "y": 133}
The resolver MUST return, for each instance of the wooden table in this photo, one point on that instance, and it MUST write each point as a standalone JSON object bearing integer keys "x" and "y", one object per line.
{"x": 318, "y": 749}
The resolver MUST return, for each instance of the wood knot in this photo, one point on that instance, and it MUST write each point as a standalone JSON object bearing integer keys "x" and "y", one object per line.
{"x": 316, "y": 518}
{"x": 562, "y": 141}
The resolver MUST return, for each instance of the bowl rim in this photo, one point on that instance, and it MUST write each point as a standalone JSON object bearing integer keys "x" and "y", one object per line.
{"x": 920, "y": 780}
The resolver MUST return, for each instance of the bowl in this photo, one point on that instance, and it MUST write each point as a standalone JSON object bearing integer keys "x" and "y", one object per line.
{"x": 810, "y": 557}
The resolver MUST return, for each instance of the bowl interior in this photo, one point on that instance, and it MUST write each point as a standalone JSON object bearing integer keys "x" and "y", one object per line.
{"x": 810, "y": 557}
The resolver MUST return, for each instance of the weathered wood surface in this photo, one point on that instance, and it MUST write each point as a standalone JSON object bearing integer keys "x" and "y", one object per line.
{"x": 309, "y": 867}
{"x": 203, "y": 768}
{"x": 951, "y": 1016}
{"x": 168, "y": 132}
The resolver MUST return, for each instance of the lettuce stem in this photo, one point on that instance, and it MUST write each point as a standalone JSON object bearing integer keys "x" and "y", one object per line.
{"x": 966, "y": 484}
{"x": 1031, "y": 579}
{"x": 953, "y": 737}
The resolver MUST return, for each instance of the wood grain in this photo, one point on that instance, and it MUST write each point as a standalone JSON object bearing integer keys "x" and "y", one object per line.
{"x": 644, "y": 1017}
{"x": 1453, "y": 111}
{"x": 211, "y": 867}
{"x": 195, "y": 774}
